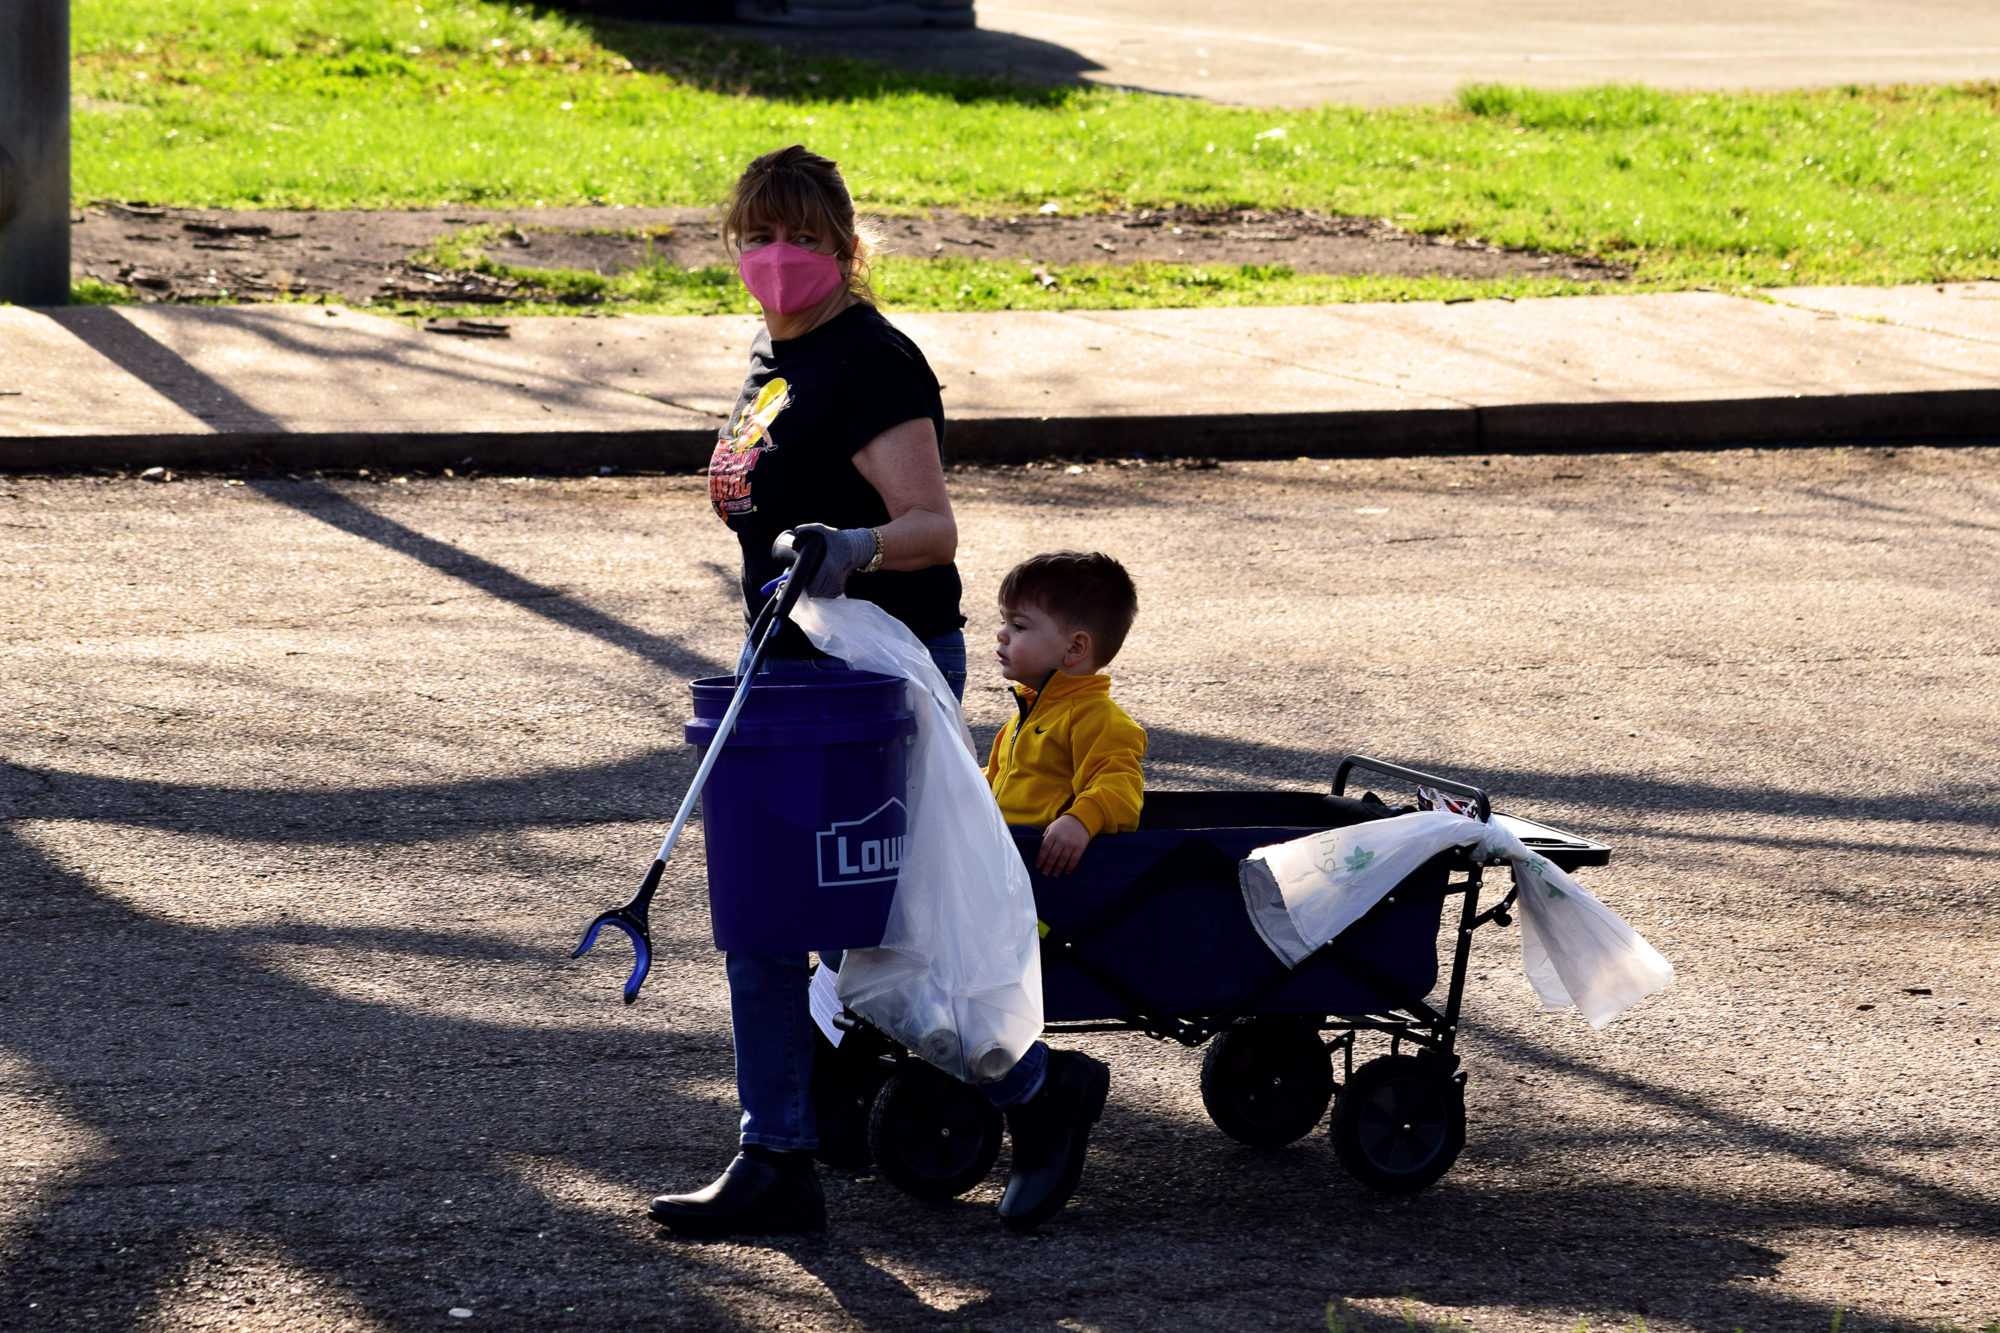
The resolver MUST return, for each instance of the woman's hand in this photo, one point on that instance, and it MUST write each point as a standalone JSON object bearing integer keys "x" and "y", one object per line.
{"x": 902, "y": 465}
{"x": 848, "y": 550}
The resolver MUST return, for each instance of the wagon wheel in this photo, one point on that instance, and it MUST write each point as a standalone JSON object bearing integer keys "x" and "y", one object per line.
{"x": 1399, "y": 1123}
{"x": 933, "y": 1137}
{"x": 845, "y": 1081}
{"x": 1267, "y": 1086}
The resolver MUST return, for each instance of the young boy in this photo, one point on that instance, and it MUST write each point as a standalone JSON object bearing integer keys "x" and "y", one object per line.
{"x": 1068, "y": 761}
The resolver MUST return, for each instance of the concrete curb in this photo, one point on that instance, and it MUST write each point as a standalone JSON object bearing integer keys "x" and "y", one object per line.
{"x": 262, "y": 450}
{"x": 1946, "y": 417}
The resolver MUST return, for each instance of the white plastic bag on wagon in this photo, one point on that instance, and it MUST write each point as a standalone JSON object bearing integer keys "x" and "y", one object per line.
{"x": 958, "y": 977}
{"x": 1574, "y": 949}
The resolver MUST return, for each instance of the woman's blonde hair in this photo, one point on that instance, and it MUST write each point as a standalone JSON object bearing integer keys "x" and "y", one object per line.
{"x": 796, "y": 188}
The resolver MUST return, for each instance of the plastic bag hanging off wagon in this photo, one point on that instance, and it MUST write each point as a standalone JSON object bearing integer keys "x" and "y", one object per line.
{"x": 958, "y": 976}
{"x": 1575, "y": 950}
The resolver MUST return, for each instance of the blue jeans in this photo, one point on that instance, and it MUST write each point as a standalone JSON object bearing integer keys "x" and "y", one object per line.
{"x": 768, "y": 1011}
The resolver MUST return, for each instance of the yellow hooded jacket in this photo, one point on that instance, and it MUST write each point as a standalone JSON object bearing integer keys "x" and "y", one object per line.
{"x": 1069, "y": 750}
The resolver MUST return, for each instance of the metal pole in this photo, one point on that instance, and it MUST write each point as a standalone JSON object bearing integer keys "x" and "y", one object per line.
{"x": 34, "y": 152}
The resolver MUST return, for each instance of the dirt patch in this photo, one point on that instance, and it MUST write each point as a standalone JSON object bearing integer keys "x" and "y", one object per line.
{"x": 178, "y": 254}
{"x": 185, "y": 254}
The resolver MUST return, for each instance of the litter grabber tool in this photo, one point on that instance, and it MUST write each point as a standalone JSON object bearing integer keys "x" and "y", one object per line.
{"x": 803, "y": 553}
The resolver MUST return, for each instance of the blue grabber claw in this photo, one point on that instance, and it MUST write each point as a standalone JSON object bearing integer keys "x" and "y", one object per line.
{"x": 803, "y": 552}
{"x": 632, "y": 918}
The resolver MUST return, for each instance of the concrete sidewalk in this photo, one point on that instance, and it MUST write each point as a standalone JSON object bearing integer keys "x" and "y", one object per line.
{"x": 308, "y": 386}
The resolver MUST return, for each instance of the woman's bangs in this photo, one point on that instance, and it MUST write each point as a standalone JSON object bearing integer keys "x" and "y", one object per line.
{"x": 782, "y": 205}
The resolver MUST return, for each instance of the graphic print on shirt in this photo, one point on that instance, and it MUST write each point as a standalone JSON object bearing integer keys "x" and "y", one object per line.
{"x": 738, "y": 449}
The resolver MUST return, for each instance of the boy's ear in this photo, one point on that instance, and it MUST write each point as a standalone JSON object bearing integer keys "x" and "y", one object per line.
{"x": 1079, "y": 649}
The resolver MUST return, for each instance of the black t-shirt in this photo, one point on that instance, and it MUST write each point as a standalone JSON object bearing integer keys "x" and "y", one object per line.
{"x": 808, "y": 405}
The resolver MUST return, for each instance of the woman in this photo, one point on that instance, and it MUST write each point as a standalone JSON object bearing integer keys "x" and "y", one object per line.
{"x": 839, "y": 427}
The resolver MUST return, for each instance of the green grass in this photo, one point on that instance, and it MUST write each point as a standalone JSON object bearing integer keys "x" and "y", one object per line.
{"x": 357, "y": 103}
{"x": 89, "y": 291}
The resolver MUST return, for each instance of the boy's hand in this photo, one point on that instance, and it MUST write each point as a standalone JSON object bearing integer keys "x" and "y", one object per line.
{"x": 1062, "y": 845}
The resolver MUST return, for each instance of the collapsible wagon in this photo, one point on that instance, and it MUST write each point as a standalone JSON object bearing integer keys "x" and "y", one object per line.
{"x": 1150, "y": 934}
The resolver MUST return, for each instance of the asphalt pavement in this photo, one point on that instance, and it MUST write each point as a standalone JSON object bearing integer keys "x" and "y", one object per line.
{"x": 306, "y": 787}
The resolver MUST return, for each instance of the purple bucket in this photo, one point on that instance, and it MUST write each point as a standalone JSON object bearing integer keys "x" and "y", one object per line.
{"x": 807, "y": 809}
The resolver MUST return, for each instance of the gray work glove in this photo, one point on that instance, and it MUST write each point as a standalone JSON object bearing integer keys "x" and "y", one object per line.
{"x": 847, "y": 550}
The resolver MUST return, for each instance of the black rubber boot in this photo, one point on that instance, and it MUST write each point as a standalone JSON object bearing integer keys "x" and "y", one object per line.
{"x": 1050, "y": 1136}
{"x": 762, "y": 1193}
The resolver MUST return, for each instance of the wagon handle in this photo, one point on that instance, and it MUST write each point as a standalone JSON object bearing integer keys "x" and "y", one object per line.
{"x": 1351, "y": 762}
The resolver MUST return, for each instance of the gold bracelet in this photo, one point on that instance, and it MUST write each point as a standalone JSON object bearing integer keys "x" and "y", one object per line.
{"x": 875, "y": 563}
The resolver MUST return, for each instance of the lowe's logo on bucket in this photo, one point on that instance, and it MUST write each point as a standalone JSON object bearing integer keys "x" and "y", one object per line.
{"x": 868, "y": 850}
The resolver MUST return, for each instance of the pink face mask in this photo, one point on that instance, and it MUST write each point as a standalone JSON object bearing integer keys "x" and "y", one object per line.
{"x": 787, "y": 279}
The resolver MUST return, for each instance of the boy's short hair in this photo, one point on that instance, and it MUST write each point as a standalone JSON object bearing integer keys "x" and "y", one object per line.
{"x": 1078, "y": 590}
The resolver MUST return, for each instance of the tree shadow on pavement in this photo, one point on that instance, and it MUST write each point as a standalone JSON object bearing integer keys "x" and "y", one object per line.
{"x": 234, "y": 1099}
{"x": 1248, "y": 765}
{"x": 1919, "y": 1202}
{"x": 1918, "y": 519}
{"x": 108, "y": 332}
{"x": 329, "y": 506}
{"x": 229, "y": 1098}
{"x": 293, "y": 367}
{"x": 634, "y": 788}
{"x": 414, "y": 1159}
{"x": 809, "y": 65}
{"x": 1538, "y": 1215}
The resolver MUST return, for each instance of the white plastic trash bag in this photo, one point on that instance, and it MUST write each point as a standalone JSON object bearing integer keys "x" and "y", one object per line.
{"x": 1575, "y": 950}
{"x": 958, "y": 977}
{"x": 1304, "y": 892}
